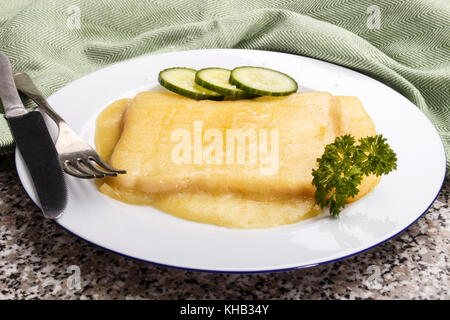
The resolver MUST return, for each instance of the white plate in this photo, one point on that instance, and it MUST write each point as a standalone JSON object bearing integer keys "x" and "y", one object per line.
{"x": 147, "y": 234}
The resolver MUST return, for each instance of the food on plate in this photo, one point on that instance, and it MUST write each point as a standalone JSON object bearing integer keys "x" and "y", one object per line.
{"x": 240, "y": 164}
{"x": 218, "y": 79}
{"x": 182, "y": 81}
{"x": 263, "y": 81}
{"x": 343, "y": 166}
{"x": 215, "y": 83}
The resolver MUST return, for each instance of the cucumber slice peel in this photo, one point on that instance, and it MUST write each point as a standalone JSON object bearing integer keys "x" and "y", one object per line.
{"x": 182, "y": 81}
{"x": 217, "y": 79}
{"x": 263, "y": 81}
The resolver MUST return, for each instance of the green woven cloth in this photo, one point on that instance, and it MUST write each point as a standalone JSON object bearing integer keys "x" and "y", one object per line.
{"x": 405, "y": 44}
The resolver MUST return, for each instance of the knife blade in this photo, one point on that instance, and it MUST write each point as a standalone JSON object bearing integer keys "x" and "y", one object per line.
{"x": 35, "y": 145}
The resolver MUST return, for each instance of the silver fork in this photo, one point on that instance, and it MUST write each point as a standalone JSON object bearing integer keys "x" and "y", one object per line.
{"x": 77, "y": 157}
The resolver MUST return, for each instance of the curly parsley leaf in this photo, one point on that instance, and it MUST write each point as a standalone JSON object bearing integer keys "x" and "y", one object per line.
{"x": 375, "y": 156}
{"x": 343, "y": 165}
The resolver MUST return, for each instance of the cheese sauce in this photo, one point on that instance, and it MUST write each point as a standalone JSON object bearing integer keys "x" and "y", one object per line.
{"x": 141, "y": 134}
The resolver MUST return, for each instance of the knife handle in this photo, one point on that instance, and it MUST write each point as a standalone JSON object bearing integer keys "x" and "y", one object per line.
{"x": 10, "y": 97}
{"x": 40, "y": 156}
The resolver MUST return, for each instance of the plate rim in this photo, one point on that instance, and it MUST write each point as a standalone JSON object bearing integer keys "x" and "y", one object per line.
{"x": 17, "y": 158}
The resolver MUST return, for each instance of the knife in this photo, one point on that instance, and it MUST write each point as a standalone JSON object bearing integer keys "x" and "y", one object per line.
{"x": 35, "y": 145}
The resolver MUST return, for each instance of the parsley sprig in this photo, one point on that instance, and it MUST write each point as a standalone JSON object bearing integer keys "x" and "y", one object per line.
{"x": 343, "y": 165}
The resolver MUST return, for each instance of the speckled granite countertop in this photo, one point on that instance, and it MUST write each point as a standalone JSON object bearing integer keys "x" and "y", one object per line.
{"x": 38, "y": 259}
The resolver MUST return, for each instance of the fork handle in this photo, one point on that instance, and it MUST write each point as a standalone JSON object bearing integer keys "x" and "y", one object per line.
{"x": 25, "y": 85}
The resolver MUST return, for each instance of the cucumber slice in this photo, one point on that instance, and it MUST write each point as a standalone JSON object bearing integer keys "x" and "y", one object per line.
{"x": 217, "y": 79}
{"x": 181, "y": 81}
{"x": 263, "y": 81}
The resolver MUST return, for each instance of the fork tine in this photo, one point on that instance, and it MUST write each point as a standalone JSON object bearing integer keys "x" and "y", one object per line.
{"x": 82, "y": 167}
{"x": 68, "y": 168}
{"x": 103, "y": 164}
{"x": 98, "y": 170}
